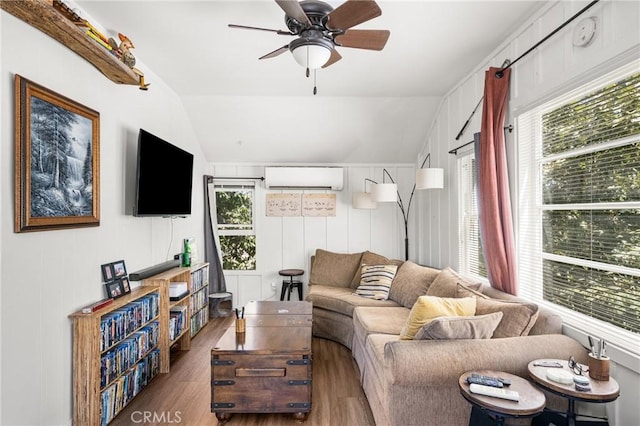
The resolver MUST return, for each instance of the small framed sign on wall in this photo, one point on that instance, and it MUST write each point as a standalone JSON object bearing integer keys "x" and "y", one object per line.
{"x": 319, "y": 205}
{"x": 284, "y": 205}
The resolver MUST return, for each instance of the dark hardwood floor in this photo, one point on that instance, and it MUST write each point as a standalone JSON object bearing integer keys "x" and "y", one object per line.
{"x": 183, "y": 396}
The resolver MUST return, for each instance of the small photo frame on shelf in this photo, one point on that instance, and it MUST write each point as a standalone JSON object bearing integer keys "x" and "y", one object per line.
{"x": 126, "y": 287}
{"x": 114, "y": 289}
{"x": 119, "y": 270}
{"x": 107, "y": 272}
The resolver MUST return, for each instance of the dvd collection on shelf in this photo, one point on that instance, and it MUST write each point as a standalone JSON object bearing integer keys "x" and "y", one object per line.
{"x": 198, "y": 320}
{"x": 177, "y": 321}
{"x": 127, "y": 353}
{"x": 199, "y": 299}
{"x": 117, "y": 325}
{"x": 199, "y": 278}
{"x": 115, "y": 397}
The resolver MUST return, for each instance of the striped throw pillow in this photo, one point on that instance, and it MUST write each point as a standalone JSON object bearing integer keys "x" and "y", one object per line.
{"x": 375, "y": 281}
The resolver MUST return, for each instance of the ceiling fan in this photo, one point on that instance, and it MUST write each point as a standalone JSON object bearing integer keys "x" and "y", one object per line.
{"x": 321, "y": 28}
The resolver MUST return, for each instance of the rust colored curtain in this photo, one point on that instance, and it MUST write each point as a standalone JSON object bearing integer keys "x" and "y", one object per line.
{"x": 494, "y": 199}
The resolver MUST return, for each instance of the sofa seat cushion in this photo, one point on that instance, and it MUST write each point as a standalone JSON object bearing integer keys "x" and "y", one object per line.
{"x": 373, "y": 320}
{"x": 335, "y": 269}
{"x": 340, "y": 299}
{"x": 375, "y": 344}
{"x": 411, "y": 281}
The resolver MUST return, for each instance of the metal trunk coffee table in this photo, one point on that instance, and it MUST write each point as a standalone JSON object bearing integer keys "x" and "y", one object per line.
{"x": 266, "y": 369}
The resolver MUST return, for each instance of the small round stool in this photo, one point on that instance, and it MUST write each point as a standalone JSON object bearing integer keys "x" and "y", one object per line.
{"x": 220, "y": 304}
{"x": 289, "y": 284}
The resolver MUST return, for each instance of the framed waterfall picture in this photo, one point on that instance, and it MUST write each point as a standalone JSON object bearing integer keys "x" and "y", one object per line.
{"x": 57, "y": 164}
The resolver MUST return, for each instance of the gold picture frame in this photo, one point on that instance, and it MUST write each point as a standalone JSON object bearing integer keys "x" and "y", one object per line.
{"x": 57, "y": 160}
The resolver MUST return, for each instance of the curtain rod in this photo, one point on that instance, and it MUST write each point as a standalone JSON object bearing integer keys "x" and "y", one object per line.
{"x": 504, "y": 67}
{"x": 234, "y": 178}
{"x": 499, "y": 73}
{"x": 455, "y": 150}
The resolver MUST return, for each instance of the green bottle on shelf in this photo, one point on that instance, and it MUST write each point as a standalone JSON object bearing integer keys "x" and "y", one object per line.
{"x": 186, "y": 252}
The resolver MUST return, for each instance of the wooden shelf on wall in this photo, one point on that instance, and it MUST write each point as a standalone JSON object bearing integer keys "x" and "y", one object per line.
{"x": 41, "y": 15}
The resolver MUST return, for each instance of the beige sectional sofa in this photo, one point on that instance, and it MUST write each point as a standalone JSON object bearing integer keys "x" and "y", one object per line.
{"x": 415, "y": 382}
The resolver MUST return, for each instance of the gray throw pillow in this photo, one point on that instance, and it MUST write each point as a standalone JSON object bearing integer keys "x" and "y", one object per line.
{"x": 471, "y": 327}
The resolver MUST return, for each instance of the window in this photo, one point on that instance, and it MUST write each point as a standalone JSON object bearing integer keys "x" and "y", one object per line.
{"x": 236, "y": 218}
{"x": 579, "y": 204}
{"x": 471, "y": 259}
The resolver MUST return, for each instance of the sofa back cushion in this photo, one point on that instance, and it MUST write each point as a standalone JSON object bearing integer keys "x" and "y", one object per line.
{"x": 371, "y": 258}
{"x": 518, "y": 316}
{"x": 334, "y": 269}
{"x": 411, "y": 282}
{"x": 446, "y": 284}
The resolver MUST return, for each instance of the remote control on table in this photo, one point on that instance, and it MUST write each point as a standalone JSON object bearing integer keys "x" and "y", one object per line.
{"x": 494, "y": 392}
{"x": 484, "y": 381}
{"x": 505, "y": 382}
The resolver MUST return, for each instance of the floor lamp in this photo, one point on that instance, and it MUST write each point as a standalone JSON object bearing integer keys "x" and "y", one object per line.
{"x": 426, "y": 178}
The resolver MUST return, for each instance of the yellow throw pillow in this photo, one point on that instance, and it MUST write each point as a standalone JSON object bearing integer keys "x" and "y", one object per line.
{"x": 428, "y": 308}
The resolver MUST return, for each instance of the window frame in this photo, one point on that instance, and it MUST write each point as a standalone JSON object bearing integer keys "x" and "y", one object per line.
{"x": 249, "y": 229}
{"x": 531, "y": 208}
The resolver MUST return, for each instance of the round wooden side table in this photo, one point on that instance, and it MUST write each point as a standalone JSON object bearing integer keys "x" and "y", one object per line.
{"x": 601, "y": 391}
{"x": 531, "y": 403}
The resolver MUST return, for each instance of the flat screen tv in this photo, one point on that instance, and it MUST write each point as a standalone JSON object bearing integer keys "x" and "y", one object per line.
{"x": 164, "y": 177}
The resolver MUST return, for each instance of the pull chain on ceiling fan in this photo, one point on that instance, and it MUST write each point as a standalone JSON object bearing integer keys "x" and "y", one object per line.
{"x": 321, "y": 28}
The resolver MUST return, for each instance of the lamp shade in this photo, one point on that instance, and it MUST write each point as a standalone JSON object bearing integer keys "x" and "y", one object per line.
{"x": 384, "y": 192}
{"x": 363, "y": 200}
{"x": 311, "y": 55}
{"x": 430, "y": 178}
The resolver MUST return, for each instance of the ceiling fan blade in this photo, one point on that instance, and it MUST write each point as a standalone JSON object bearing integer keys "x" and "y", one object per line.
{"x": 293, "y": 9}
{"x": 335, "y": 57}
{"x": 276, "y": 52}
{"x": 351, "y": 13}
{"x": 364, "y": 39}
{"x": 245, "y": 27}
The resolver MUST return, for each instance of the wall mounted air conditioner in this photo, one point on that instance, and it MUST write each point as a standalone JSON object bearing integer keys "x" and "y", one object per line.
{"x": 304, "y": 178}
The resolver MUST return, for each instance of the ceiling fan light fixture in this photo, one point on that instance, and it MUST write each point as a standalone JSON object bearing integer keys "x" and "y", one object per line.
{"x": 311, "y": 53}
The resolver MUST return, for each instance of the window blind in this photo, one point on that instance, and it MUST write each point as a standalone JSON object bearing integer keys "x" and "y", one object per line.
{"x": 471, "y": 259}
{"x": 579, "y": 204}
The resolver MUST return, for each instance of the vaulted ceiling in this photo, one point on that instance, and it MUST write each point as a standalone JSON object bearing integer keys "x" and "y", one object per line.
{"x": 371, "y": 106}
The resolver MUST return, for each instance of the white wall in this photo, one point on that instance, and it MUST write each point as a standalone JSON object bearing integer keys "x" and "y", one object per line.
{"x": 553, "y": 68}
{"x": 289, "y": 242}
{"x": 46, "y": 276}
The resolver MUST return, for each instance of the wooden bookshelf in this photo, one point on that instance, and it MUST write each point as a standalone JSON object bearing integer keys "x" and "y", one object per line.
{"x": 40, "y": 14}
{"x": 90, "y": 349}
{"x": 199, "y": 298}
{"x": 183, "y": 340}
